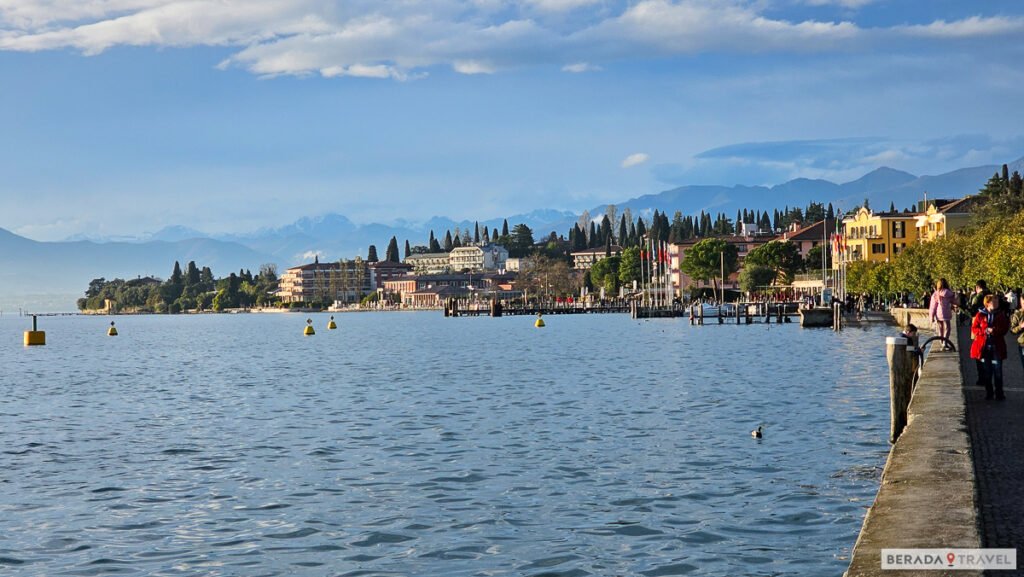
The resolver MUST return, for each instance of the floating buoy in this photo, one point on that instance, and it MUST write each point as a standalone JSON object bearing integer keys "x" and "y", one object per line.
{"x": 309, "y": 328}
{"x": 332, "y": 325}
{"x": 540, "y": 322}
{"x": 112, "y": 331}
{"x": 35, "y": 336}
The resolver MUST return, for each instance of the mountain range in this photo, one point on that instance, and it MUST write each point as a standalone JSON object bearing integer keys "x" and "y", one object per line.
{"x": 51, "y": 275}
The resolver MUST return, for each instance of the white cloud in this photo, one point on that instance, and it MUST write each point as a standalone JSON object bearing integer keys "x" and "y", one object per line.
{"x": 400, "y": 40}
{"x": 635, "y": 159}
{"x": 972, "y": 27}
{"x": 560, "y": 5}
{"x": 472, "y": 67}
{"x": 580, "y": 67}
{"x": 311, "y": 254}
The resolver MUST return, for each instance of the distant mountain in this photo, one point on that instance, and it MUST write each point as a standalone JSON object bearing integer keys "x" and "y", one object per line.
{"x": 62, "y": 270}
{"x": 881, "y": 187}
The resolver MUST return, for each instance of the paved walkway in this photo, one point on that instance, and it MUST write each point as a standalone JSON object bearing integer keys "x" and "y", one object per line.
{"x": 997, "y": 443}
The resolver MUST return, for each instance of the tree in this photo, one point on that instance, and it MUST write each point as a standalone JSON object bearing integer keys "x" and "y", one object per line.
{"x": 781, "y": 256}
{"x": 704, "y": 260}
{"x": 176, "y": 276}
{"x": 371, "y": 255}
{"x": 814, "y": 256}
{"x": 629, "y": 265}
{"x": 391, "y": 255}
{"x": 476, "y": 232}
{"x": 191, "y": 273}
{"x": 521, "y": 240}
{"x": 448, "y": 245}
{"x": 433, "y": 245}
{"x": 408, "y": 249}
{"x": 504, "y": 227}
{"x": 754, "y": 277}
{"x": 605, "y": 273}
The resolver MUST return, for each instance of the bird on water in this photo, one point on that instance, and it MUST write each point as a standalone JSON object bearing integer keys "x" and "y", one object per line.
{"x": 756, "y": 434}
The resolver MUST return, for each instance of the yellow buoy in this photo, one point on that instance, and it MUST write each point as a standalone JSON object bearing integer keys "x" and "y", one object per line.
{"x": 309, "y": 328}
{"x": 540, "y": 322}
{"x": 332, "y": 325}
{"x": 35, "y": 336}
{"x": 112, "y": 331}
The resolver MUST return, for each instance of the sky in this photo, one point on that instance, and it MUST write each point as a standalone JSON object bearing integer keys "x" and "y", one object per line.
{"x": 120, "y": 117}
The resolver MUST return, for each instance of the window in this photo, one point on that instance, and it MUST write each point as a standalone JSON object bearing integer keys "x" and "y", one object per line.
{"x": 897, "y": 247}
{"x": 878, "y": 248}
{"x": 899, "y": 229}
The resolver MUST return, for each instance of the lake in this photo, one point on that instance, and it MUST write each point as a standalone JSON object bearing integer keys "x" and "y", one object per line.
{"x": 411, "y": 444}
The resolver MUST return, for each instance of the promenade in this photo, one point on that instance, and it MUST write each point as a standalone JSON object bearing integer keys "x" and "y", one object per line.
{"x": 997, "y": 447}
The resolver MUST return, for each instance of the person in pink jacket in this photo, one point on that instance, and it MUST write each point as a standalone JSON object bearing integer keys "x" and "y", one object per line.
{"x": 941, "y": 309}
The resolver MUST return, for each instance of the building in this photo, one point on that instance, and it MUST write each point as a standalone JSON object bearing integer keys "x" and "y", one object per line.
{"x": 941, "y": 217}
{"x": 518, "y": 264}
{"x": 346, "y": 281}
{"x": 877, "y": 237}
{"x": 385, "y": 270}
{"x": 677, "y": 252}
{"x": 489, "y": 257}
{"x": 429, "y": 263}
{"x": 807, "y": 237}
{"x": 421, "y": 291}
{"x": 584, "y": 259}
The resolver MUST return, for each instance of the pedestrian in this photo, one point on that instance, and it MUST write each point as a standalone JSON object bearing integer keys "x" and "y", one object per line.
{"x": 989, "y": 330}
{"x": 941, "y": 311}
{"x": 977, "y": 300}
{"x": 1017, "y": 325}
{"x": 1011, "y": 299}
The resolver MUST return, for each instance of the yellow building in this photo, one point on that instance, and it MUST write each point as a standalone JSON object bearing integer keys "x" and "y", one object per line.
{"x": 942, "y": 217}
{"x": 877, "y": 236}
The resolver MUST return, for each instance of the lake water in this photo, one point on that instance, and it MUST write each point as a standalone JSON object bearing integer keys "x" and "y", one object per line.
{"x": 411, "y": 444}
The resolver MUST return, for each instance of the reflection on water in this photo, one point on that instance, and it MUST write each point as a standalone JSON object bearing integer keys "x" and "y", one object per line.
{"x": 410, "y": 444}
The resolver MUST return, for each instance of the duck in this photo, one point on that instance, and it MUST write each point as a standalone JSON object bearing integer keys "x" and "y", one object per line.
{"x": 757, "y": 433}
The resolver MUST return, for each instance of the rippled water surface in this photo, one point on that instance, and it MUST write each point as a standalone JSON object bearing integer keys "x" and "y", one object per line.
{"x": 410, "y": 444}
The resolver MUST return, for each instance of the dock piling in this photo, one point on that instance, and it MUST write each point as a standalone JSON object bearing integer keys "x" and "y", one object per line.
{"x": 901, "y": 378}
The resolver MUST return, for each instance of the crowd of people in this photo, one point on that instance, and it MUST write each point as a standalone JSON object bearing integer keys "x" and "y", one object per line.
{"x": 992, "y": 316}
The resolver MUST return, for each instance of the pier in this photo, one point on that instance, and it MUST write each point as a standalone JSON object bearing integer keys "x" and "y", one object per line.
{"x": 954, "y": 477}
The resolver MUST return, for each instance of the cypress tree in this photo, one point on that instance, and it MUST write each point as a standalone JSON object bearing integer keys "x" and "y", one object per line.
{"x": 504, "y": 228}
{"x": 831, "y": 212}
{"x": 191, "y": 273}
{"x": 408, "y": 249}
{"x": 176, "y": 277}
{"x": 457, "y": 242}
{"x": 371, "y": 255}
{"x": 487, "y": 236}
{"x": 391, "y": 255}
{"x": 592, "y": 240}
{"x": 641, "y": 229}
{"x": 494, "y": 235}
{"x": 476, "y": 232}
{"x": 448, "y": 246}
{"x": 624, "y": 231}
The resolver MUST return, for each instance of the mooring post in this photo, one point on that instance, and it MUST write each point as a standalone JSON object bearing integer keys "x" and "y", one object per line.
{"x": 700, "y": 314}
{"x": 900, "y": 383}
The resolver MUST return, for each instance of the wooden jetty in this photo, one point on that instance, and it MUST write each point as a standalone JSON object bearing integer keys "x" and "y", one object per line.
{"x": 698, "y": 313}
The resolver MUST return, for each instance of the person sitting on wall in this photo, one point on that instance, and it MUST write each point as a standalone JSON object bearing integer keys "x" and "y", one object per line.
{"x": 989, "y": 331}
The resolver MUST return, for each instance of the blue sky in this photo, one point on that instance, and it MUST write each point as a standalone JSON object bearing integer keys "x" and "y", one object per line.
{"x": 124, "y": 116}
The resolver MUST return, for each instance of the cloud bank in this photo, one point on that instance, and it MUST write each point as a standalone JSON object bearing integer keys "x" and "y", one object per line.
{"x": 367, "y": 38}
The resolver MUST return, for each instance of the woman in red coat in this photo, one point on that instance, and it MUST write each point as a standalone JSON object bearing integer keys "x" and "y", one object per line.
{"x": 989, "y": 331}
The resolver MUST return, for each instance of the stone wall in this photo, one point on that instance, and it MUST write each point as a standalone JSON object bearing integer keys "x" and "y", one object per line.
{"x": 927, "y": 494}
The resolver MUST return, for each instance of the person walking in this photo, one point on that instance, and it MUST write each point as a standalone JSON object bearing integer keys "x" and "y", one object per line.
{"x": 941, "y": 311}
{"x": 989, "y": 331}
{"x": 1017, "y": 325}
